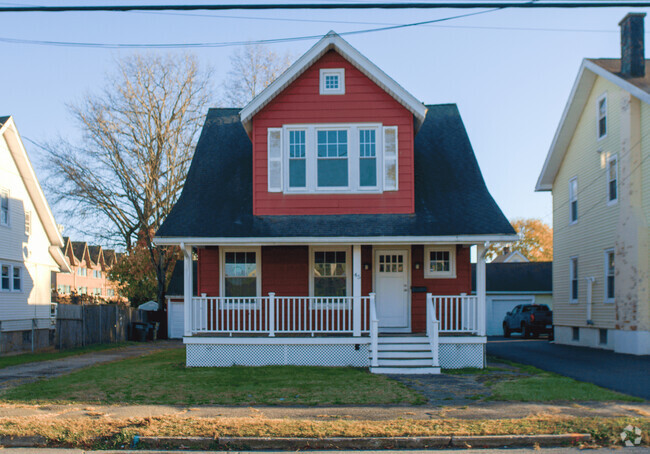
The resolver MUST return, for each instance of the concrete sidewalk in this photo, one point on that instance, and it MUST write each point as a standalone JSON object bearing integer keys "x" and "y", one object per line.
{"x": 475, "y": 411}
{"x": 30, "y": 372}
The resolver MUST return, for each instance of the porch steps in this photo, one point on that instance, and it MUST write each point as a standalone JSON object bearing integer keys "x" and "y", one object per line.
{"x": 404, "y": 355}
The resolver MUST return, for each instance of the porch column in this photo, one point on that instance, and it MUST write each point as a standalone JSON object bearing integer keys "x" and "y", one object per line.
{"x": 187, "y": 288}
{"x": 480, "y": 288}
{"x": 356, "y": 290}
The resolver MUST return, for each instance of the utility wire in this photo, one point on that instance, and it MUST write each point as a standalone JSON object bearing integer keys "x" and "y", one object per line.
{"x": 229, "y": 43}
{"x": 329, "y": 6}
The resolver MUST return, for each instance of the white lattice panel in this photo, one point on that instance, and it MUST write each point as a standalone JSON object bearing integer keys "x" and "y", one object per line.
{"x": 458, "y": 356}
{"x": 221, "y": 355}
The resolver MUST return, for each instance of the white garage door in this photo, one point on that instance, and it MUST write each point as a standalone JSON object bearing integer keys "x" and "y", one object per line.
{"x": 497, "y": 309}
{"x": 176, "y": 321}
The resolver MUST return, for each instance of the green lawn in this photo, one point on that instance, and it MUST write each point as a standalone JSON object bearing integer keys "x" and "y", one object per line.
{"x": 162, "y": 378}
{"x": 14, "y": 360}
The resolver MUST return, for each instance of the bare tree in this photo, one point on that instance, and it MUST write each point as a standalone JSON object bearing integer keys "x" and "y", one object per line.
{"x": 129, "y": 168}
{"x": 253, "y": 68}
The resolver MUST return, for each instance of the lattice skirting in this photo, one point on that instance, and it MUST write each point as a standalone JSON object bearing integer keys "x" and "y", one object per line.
{"x": 224, "y": 355}
{"x": 460, "y": 355}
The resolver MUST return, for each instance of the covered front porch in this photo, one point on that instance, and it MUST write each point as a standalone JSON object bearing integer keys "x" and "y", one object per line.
{"x": 394, "y": 306}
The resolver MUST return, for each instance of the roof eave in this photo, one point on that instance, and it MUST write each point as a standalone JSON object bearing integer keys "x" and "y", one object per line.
{"x": 328, "y": 42}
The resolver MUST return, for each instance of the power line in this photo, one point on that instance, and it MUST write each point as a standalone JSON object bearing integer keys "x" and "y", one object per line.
{"x": 229, "y": 43}
{"x": 329, "y": 6}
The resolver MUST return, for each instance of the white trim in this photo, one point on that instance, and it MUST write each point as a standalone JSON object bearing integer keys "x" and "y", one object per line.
{"x": 258, "y": 271}
{"x": 573, "y": 196}
{"x": 451, "y": 274}
{"x": 572, "y": 278}
{"x": 315, "y": 340}
{"x": 340, "y": 73}
{"x": 607, "y": 300}
{"x": 613, "y": 157}
{"x": 302, "y": 240}
{"x": 572, "y": 112}
{"x": 11, "y": 288}
{"x": 348, "y": 272}
{"x": 335, "y": 42}
{"x": 601, "y": 98}
{"x": 376, "y": 250}
{"x": 5, "y": 193}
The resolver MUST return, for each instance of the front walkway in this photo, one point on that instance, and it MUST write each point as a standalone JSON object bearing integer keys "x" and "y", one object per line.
{"x": 628, "y": 374}
{"x": 30, "y": 372}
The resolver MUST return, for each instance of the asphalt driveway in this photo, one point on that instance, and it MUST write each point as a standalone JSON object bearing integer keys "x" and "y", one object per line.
{"x": 628, "y": 374}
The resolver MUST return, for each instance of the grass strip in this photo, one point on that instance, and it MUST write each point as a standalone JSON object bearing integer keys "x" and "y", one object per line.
{"x": 162, "y": 379}
{"x": 15, "y": 360}
{"x": 90, "y": 433}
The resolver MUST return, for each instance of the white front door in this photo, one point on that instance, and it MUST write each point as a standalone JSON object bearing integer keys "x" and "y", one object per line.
{"x": 391, "y": 289}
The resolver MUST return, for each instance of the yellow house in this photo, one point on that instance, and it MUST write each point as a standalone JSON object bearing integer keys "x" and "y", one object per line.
{"x": 599, "y": 173}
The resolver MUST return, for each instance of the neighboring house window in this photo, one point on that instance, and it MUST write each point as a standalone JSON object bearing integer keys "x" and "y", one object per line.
{"x": 240, "y": 276}
{"x": 574, "y": 278}
{"x": 612, "y": 180}
{"x": 63, "y": 289}
{"x": 573, "y": 200}
{"x": 81, "y": 272}
{"x": 321, "y": 158}
{"x": 18, "y": 279}
{"x": 110, "y": 292}
{"x": 602, "y": 117}
{"x": 330, "y": 272}
{"x": 332, "y": 162}
{"x": 28, "y": 223}
{"x": 440, "y": 262}
{"x": 98, "y": 291}
{"x": 575, "y": 333}
{"x": 5, "y": 277}
{"x": 297, "y": 159}
{"x": 332, "y": 81}
{"x": 4, "y": 207}
{"x": 97, "y": 274}
{"x": 610, "y": 271}
{"x": 83, "y": 290}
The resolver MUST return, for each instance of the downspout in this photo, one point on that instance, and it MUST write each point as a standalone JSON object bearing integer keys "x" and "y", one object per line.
{"x": 590, "y": 285}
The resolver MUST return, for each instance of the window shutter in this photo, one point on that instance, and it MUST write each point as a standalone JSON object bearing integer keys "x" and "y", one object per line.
{"x": 275, "y": 159}
{"x": 390, "y": 158}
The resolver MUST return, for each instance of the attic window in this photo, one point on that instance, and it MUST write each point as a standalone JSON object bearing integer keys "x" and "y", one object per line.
{"x": 332, "y": 81}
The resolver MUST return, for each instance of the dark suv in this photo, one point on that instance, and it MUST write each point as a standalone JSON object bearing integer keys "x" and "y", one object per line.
{"x": 530, "y": 320}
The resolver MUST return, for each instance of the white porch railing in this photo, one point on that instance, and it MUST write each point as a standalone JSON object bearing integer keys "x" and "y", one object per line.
{"x": 281, "y": 315}
{"x": 456, "y": 314}
{"x": 433, "y": 329}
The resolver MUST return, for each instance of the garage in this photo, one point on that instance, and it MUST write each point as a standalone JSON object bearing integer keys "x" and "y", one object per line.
{"x": 175, "y": 310}
{"x": 498, "y": 307}
{"x": 175, "y": 318}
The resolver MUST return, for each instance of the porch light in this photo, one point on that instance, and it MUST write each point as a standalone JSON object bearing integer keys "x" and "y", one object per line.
{"x": 366, "y": 266}
{"x": 418, "y": 265}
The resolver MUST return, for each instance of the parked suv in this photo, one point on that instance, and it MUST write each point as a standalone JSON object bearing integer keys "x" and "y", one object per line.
{"x": 530, "y": 320}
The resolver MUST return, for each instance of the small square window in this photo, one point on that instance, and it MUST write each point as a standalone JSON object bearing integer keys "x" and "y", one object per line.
{"x": 602, "y": 334}
{"x": 575, "y": 333}
{"x": 332, "y": 81}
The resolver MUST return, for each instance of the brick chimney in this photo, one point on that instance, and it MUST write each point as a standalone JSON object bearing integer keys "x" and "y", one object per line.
{"x": 632, "y": 52}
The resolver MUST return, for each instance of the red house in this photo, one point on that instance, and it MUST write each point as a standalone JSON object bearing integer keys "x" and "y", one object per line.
{"x": 333, "y": 218}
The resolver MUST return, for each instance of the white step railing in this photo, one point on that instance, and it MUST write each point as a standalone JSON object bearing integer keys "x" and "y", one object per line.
{"x": 433, "y": 330}
{"x": 455, "y": 314}
{"x": 281, "y": 315}
{"x": 374, "y": 333}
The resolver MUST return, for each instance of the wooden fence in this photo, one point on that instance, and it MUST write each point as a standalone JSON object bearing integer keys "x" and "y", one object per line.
{"x": 80, "y": 325}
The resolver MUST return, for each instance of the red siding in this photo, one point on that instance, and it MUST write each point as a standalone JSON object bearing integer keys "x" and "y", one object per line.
{"x": 208, "y": 271}
{"x": 301, "y": 103}
{"x": 461, "y": 284}
{"x": 285, "y": 270}
{"x": 366, "y": 275}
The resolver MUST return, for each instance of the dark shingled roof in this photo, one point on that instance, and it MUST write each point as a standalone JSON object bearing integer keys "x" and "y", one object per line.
{"x": 517, "y": 277}
{"x": 176, "y": 286}
{"x": 3, "y": 120}
{"x": 78, "y": 249}
{"x": 94, "y": 253}
{"x": 450, "y": 195}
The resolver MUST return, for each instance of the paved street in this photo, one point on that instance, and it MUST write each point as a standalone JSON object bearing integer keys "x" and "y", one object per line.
{"x": 628, "y": 374}
{"x": 636, "y": 450}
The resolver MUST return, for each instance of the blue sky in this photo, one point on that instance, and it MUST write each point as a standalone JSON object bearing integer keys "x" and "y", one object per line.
{"x": 509, "y": 71}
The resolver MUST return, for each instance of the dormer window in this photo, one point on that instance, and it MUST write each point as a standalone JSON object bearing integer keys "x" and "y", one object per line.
{"x": 332, "y": 81}
{"x": 330, "y": 158}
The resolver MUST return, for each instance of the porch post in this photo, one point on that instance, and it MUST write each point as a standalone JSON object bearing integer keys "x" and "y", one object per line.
{"x": 480, "y": 288}
{"x": 356, "y": 290}
{"x": 187, "y": 288}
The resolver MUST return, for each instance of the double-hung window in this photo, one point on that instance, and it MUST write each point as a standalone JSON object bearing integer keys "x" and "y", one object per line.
{"x": 332, "y": 161}
{"x": 4, "y": 207}
{"x": 440, "y": 262}
{"x": 241, "y": 276}
{"x": 330, "y": 277}
{"x": 5, "y": 277}
{"x": 610, "y": 272}
{"x": 573, "y": 200}
{"x": 11, "y": 278}
{"x": 612, "y": 180}
{"x": 28, "y": 223}
{"x": 333, "y": 158}
{"x": 602, "y": 116}
{"x": 573, "y": 270}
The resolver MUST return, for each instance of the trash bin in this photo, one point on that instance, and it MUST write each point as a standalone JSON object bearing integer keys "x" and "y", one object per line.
{"x": 153, "y": 331}
{"x": 139, "y": 331}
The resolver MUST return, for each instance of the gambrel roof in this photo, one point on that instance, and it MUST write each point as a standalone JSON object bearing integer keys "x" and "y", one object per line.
{"x": 333, "y": 41}
{"x": 590, "y": 69}
{"x": 451, "y": 199}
